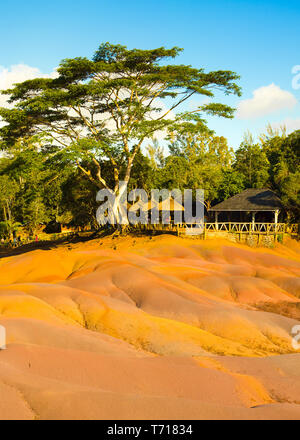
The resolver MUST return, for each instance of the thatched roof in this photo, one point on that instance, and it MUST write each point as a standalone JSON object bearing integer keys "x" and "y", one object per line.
{"x": 162, "y": 206}
{"x": 250, "y": 200}
{"x": 171, "y": 204}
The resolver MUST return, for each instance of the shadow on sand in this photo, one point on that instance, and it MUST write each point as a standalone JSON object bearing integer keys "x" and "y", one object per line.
{"x": 49, "y": 244}
{"x": 75, "y": 238}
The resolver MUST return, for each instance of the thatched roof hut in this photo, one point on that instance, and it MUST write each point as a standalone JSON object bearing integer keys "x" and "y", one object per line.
{"x": 168, "y": 204}
{"x": 251, "y": 200}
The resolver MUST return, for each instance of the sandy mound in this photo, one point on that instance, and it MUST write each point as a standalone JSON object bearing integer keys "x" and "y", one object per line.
{"x": 150, "y": 328}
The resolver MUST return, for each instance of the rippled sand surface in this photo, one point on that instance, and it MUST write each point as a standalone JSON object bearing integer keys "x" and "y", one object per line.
{"x": 143, "y": 328}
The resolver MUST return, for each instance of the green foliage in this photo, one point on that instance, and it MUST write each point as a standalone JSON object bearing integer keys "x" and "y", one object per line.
{"x": 30, "y": 184}
{"x": 8, "y": 192}
{"x": 78, "y": 202}
{"x": 9, "y": 227}
{"x": 197, "y": 161}
{"x": 232, "y": 183}
{"x": 283, "y": 154}
{"x": 141, "y": 174}
{"x": 252, "y": 163}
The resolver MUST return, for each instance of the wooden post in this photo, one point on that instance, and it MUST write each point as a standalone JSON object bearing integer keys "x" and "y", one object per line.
{"x": 216, "y": 220}
{"x": 259, "y": 238}
{"x": 275, "y": 221}
{"x": 253, "y": 220}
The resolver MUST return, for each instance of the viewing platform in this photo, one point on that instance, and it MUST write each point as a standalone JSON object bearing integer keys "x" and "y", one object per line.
{"x": 257, "y": 234}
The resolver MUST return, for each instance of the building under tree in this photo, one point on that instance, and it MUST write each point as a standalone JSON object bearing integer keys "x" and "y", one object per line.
{"x": 252, "y": 205}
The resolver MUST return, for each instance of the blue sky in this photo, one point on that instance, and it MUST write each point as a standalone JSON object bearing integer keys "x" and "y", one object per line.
{"x": 257, "y": 39}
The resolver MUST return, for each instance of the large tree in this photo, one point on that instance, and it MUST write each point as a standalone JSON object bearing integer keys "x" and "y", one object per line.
{"x": 105, "y": 108}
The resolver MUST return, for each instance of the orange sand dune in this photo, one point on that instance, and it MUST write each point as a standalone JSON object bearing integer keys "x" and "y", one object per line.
{"x": 151, "y": 328}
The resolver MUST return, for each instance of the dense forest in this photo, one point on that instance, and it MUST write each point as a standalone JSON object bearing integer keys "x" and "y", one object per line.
{"x": 57, "y": 151}
{"x": 38, "y": 187}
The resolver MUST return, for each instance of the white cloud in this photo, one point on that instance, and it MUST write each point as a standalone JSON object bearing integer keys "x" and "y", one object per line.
{"x": 18, "y": 73}
{"x": 266, "y": 100}
{"x": 290, "y": 124}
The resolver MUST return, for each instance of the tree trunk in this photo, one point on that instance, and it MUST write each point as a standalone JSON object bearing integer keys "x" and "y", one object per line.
{"x": 8, "y": 211}
{"x": 5, "y": 214}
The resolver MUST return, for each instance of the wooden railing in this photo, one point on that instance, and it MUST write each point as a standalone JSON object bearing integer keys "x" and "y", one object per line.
{"x": 252, "y": 228}
{"x": 230, "y": 227}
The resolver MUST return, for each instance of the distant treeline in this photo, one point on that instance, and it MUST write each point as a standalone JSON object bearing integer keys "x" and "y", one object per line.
{"x": 38, "y": 185}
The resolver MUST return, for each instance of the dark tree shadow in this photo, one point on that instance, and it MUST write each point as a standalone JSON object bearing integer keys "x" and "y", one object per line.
{"x": 77, "y": 238}
{"x": 48, "y": 244}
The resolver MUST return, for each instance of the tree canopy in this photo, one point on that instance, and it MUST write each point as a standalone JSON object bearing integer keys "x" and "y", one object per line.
{"x": 106, "y": 107}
